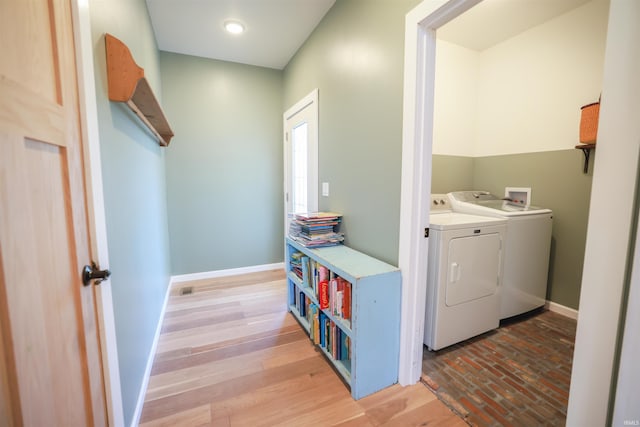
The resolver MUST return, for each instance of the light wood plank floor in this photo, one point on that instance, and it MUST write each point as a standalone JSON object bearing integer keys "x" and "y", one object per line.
{"x": 231, "y": 355}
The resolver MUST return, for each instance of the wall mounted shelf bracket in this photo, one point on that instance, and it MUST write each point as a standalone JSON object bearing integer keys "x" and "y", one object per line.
{"x": 586, "y": 150}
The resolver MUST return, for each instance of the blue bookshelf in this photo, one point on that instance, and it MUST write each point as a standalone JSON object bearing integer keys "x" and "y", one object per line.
{"x": 369, "y": 338}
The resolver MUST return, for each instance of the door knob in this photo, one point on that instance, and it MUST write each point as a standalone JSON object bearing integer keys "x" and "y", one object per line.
{"x": 91, "y": 272}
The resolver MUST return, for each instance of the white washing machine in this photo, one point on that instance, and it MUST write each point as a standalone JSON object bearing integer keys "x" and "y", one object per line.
{"x": 464, "y": 275}
{"x": 526, "y": 253}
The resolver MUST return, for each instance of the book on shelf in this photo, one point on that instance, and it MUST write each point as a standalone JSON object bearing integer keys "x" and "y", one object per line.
{"x": 323, "y": 294}
{"x": 323, "y": 318}
{"x": 296, "y": 264}
{"x": 323, "y": 273}
{"x": 316, "y": 325}
{"x": 302, "y": 308}
{"x": 346, "y": 302}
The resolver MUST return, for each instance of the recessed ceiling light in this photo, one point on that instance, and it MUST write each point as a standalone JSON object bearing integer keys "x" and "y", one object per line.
{"x": 234, "y": 27}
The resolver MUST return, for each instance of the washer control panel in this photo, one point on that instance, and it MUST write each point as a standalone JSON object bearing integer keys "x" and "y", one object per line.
{"x": 440, "y": 202}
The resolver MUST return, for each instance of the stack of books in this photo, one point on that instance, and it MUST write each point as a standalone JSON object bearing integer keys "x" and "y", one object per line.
{"x": 316, "y": 229}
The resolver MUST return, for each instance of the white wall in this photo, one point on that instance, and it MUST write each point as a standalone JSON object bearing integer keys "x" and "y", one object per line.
{"x": 533, "y": 85}
{"x": 529, "y": 89}
{"x": 455, "y": 99}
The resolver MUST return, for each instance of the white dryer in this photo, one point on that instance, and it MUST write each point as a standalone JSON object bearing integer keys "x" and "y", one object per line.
{"x": 526, "y": 254}
{"x": 464, "y": 275}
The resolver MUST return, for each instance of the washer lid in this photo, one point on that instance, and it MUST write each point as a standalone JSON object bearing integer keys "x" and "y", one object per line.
{"x": 457, "y": 220}
{"x": 506, "y": 206}
{"x": 485, "y": 203}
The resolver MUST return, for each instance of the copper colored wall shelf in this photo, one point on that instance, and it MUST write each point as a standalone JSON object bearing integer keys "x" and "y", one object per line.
{"x": 127, "y": 84}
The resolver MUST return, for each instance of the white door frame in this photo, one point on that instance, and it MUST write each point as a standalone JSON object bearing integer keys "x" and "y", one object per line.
{"x": 417, "y": 142}
{"x": 309, "y": 101}
{"x": 609, "y": 236}
{"x": 95, "y": 207}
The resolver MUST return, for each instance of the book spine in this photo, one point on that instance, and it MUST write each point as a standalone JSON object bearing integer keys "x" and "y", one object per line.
{"x": 305, "y": 270}
{"x": 336, "y": 338}
{"x": 323, "y": 294}
{"x": 316, "y": 326}
{"x": 310, "y": 320}
{"x": 323, "y": 273}
{"x": 325, "y": 330}
{"x": 347, "y": 302}
{"x": 322, "y": 335}
{"x": 315, "y": 277}
{"x": 301, "y": 306}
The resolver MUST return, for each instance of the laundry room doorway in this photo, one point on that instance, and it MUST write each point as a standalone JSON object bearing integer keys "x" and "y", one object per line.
{"x": 600, "y": 264}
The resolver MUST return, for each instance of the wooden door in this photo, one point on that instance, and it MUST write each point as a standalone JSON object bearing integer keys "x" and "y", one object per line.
{"x": 50, "y": 362}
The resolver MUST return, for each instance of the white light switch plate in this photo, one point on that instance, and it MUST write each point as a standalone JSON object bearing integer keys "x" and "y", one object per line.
{"x": 325, "y": 189}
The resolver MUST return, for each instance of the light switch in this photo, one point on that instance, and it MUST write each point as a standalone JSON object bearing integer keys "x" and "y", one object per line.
{"x": 325, "y": 189}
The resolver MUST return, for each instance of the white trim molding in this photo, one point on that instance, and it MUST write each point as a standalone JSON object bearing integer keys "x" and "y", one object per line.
{"x": 228, "y": 272}
{"x": 607, "y": 257}
{"x": 417, "y": 142}
{"x": 150, "y": 358}
{"x": 569, "y": 312}
{"x": 95, "y": 208}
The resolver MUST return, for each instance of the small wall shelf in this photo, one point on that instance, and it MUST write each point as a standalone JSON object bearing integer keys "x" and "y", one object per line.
{"x": 586, "y": 150}
{"x": 127, "y": 84}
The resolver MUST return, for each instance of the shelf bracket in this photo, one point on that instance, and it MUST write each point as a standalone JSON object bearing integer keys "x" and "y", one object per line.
{"x": 586, "y": 150}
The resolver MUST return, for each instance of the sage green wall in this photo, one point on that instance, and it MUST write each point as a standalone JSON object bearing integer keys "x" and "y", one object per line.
{"x": 225, "y": 164}
{"x": 355, "y": 58}
{"x": 451, "y": 173}
{"x": 557, "y": 182}
{"x": 134, "y": 195}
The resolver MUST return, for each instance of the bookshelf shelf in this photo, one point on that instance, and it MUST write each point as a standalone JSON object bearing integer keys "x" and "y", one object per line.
{"x": 363, "y": 346}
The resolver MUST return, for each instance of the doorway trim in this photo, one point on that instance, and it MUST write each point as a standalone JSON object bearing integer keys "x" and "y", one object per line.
{"x": 95, "y": 207}
{"x": 417, "y": 141}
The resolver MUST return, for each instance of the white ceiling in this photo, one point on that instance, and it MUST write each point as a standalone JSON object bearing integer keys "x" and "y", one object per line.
{"x": 493, "y": 21}
{"x": 275, "y": 29}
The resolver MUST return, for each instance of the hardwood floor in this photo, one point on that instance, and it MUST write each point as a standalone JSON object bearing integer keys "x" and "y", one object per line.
{"x": 231, "y": 355}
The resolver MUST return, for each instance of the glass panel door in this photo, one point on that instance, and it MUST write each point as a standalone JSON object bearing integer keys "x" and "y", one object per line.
{"x": 301, "y": 157}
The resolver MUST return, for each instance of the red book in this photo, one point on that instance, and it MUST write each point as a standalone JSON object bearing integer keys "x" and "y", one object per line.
{"x": 347, "y": 300}
{"x": 323, "y": 294}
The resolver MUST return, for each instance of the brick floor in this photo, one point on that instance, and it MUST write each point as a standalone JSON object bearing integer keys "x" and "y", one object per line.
{"x": 517, "y": 375}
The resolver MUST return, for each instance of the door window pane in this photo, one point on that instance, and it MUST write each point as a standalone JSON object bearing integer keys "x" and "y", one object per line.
{"x": 299, "y": 156}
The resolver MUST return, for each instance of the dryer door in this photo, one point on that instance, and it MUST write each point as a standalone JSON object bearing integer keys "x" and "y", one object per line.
{"x": 473, "y": 270}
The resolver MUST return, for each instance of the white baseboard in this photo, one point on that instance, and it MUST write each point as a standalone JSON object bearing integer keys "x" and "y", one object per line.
{"x": 561, "y": 309}
{"x": 223, "y": 273}
{"x": 152, "y": 353}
